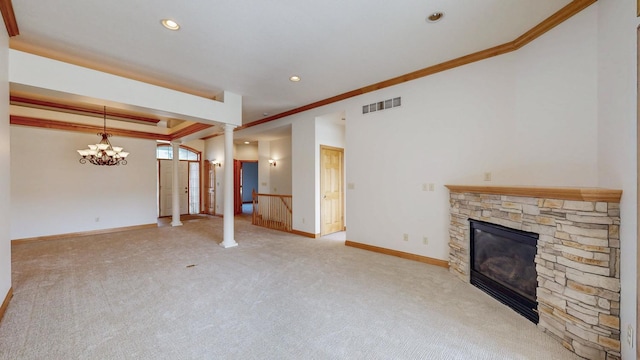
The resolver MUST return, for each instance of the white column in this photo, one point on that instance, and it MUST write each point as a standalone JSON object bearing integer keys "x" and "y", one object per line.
{"x": 228, "y": 231}
{"x": 175, "y": 185}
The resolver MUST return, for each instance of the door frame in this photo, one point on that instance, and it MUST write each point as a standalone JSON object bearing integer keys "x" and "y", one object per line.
{"x": 200, "y": 179}
{"x": 342, "y": 191}
{"x": 237, "y": 184}
{"x": 242, "y": 162}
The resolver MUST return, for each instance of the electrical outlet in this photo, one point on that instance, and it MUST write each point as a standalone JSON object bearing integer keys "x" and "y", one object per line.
{"x": 303, "y": 220}
{"x": 630, "y": 335}
{"x": 405, "y": 237}
{"x": 98, "y": 219}
{"x": 425, "y": 240}
{"x": 425, "y": 187}
{"x": 487, "y": 176}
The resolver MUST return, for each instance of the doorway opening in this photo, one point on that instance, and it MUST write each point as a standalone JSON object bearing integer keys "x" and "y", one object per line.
{"x": 245, "y": 183}
{"x": 189, "y": 176}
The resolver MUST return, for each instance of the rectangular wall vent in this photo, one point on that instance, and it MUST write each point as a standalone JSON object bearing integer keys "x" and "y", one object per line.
{"x": 382, "y": 105}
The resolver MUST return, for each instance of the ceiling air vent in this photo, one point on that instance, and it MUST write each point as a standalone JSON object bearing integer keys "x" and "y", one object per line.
{"x": 382, "y": 105}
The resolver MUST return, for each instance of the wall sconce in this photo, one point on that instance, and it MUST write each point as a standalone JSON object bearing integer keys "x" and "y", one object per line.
{"x": 272, "y": 162}
{"x": 216, "y": 163}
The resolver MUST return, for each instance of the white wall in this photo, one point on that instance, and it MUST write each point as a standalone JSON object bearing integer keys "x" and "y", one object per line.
{"x": 451, "y": 128}
{"x": 330, "y": 130}
{"x": 556, "y": 108}
{"x": 303, "y": 171}
{"x": 280, "y": 175}
{"x": 617, "y": 141}
{"x": 264, "y": 170}
{"x": 214, "y": 150}
{"x": 246, "y": 152}
{"x": 197, "y": 145}
{"x": 5, "y": 190}
{"x": 52, "y": 193}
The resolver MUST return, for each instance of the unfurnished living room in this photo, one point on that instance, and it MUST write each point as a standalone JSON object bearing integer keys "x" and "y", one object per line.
{"x": 422, "y": 179}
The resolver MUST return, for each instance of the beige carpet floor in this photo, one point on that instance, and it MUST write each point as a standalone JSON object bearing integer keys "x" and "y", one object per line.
{"x": 173, "y": 293}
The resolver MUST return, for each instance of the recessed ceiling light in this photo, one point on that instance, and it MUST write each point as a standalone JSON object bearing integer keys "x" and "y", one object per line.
{"x": 295, "y": 78}
{"x": 170, "y": 24}
{"x": 265, "y": 114}
{"x": 435, "y": 17}
{"x": 247, "y": 142}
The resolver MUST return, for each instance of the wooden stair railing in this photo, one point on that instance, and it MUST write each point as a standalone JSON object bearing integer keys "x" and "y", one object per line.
{"x": 273, "y": 211}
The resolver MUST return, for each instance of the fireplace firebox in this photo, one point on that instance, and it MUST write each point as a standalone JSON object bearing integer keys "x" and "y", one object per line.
{"x": 503, "y": 265}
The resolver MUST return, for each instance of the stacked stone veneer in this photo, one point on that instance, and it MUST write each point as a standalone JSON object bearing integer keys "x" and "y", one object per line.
{"x": 578, "y": 262}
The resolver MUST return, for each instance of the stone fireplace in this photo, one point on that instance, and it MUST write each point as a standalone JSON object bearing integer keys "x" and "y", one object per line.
{"x": 577, "y": 258}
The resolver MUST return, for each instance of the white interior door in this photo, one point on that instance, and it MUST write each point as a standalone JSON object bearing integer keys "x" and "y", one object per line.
{"x": 166, "y": 187}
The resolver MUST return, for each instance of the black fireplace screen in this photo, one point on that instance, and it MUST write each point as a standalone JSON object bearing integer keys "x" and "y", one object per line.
{"x": 502, "y": 264}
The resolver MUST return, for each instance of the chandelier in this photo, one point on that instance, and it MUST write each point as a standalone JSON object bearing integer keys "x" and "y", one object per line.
{"x": 103, "y": 153}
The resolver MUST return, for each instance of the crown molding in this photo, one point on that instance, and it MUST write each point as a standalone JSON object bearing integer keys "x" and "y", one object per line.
{"x": 549, "y": 23}
{"x": 191, "y": 129}
{"x": 83, "y": 110}
{"x": 212, "y": 136}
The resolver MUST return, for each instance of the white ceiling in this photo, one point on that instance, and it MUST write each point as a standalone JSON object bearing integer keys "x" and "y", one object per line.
{"x": 252, "y": 47}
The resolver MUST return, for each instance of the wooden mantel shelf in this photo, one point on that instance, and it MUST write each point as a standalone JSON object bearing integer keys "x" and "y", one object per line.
{"x": 562, "y": 193}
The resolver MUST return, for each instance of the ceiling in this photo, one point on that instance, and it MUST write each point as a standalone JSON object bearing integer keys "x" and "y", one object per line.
{"x": 252, "y": 47}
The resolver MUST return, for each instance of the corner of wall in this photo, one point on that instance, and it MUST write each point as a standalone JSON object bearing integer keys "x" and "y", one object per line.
{"x": 5, "y": 189}
{"x": 618, "y": 144}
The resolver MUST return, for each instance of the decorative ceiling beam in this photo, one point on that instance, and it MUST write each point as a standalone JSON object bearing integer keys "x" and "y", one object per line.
{"x": 6, "y": 8}
{"x": 191, "y": 129}
{"x": 212, "y": 136}
{"x": 83, "y": 110}
{"x": 63, "y": 125}
{"x": 68, "y": 126}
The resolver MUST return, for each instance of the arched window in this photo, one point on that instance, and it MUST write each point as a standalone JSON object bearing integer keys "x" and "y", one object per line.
{"x": 165, "y": 152}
